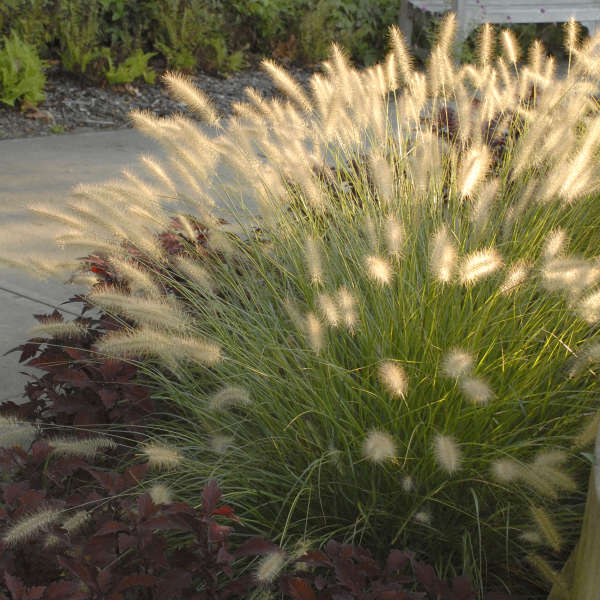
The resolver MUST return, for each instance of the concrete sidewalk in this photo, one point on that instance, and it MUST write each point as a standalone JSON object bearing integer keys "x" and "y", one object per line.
{"x": 45, "y": 169}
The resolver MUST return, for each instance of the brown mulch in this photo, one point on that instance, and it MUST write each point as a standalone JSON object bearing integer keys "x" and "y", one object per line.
{"x": 75, "y": 105}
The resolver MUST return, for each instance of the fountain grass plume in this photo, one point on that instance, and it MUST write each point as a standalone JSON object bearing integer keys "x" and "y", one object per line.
{"x": 391, "y": 366}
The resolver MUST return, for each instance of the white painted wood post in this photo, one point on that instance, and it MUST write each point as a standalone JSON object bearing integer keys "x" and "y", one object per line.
{"x": 405, "y": 22}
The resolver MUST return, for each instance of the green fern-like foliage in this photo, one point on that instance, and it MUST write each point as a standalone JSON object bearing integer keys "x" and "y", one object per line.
{"x": 21, "y": 72}
{"x": 130, "y": 69}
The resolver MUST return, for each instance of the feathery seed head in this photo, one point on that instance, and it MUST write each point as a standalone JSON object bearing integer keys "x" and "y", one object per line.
{"x": 30, "y": 526}
{"x": 476, "y": 389}
{"x": 485, "y": 45}
{"x": 510, "y": 46}
{"x": 379, "y": 446}
{"x": 379, "y": 269}
{"x": 549, "y": 458}
{"x": 423, "y": 517}
{"x": 150, "y": 312}
{"x": 15, "y": 432}
{"x": 160, "y": 456}
{"x": 572, "y": 30}
{"x": 347, "y": 304}
{"x": 139, "y": 280}
{"x": 394, "y": 236}
{"x": 51, "y": 541}
{"x": 158, "y": 171}
{"x": 442, "y": 256}
{"x": 394, "y": 379}
{"x": 383, "y": 177}
{"x": 570, "y": 274}
{"x": 401, "y": 54}
{"x": 182, "y": 89}
{"x": 194, "y": 273}
{"x": 506, "y": 470}
{"x": 81, "y": 447}
{"x": 446, "y": 34}
{"x": 478, "y": 265}
{"x": 531, "y": 537}
{"x": 555, "y": 244}
{"x": 314, "y": 330}
{"x": 546, "y": 571}
{"x": 160, "y": 494}
{"x": 589, "y": 307}
{"x": 62, "y": 330}
{"x": 473, "y": 170}
{"x": 270, "y": 566}
{"x": 329, "y": 309}
{"x": 483, "y": 201}
{"x": 229, "y": 396}
{"x": 407, "y": 484}
{"x": 313, "y": 261}
{"x": 287, "y": 85}
{"x": 76, "y": 521}
{"x": 457, "y": 363}
{"x": 219, "y": 444}
{"x": 147, "y": 122}
{"x": 589, "y": 431}
{"x": 447, "y": 453}
{"x": 515, "y": 277}
{"x": 537, "y": 480}
{"x": 547, "y": 528}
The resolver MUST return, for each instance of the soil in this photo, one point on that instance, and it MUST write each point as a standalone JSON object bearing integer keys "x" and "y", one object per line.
{"x": 72, "y": 104}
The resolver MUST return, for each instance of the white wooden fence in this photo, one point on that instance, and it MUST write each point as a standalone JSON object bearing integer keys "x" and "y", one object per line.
{"x": 471, "y": 13}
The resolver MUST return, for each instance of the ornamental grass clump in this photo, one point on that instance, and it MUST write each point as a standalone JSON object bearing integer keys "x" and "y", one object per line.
{"x": 380, "y": 315}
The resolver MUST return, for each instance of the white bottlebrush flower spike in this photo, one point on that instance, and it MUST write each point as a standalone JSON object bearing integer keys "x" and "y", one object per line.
{"x": 379, "y": 269}
{"x": 86, "y": 447}
{"x": 314, "y": 330}
{"x": 76, "y": 521}
{"x": 447, "y": 453}
{"x": 160, "y": 456}
{"x": 505, "y": 470}
{"x": 394, "y": 378}
{"x": 269, "y": 567}
{"x": 547, "y": 528}
{"x": 62, "y": 330}
{"x": 589, "y": 307}
{"x": 394, "y": 236}
{"x": 15, "y": 432}
{"x": 329, "y": 310}
{"x": 379, "y": 446}
{"x": 555, "y": 244}
{"x": 313, "y": 261}
{"x": 220, "y": 443}
{"x": 347, "y": 304}
{"x": 30, "y": 526}
{"x": 476, "y": 389}
{"x": 160, "y": 494}
{"x": 457, "y": 363}
{"x": 423, "y": 517}
{"x": 442, "y": 256}
{"x": 478, "y": 265}
{"x": 228, "y": 397}
{"x": 515, "y": 277}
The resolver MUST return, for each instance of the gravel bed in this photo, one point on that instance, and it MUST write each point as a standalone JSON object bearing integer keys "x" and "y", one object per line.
{"x": 74, "y": 105}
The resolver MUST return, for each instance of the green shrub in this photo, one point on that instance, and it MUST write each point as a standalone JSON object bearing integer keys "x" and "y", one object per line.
{"x": 130, "y": 69}
{"x": 191, "y": 34}
{"x": 31, "y": 20}
{"x": 21, "y": 72}
{"x": 79, "y": 37}
{"x": 395, "y": 339}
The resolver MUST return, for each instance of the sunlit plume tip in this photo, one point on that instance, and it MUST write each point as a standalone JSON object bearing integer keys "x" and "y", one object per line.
{"x": 379, "y": 446}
